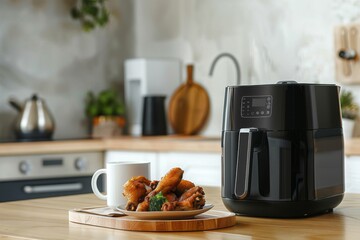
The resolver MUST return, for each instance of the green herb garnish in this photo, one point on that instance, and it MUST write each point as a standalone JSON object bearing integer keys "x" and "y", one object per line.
{"x": 156, "y": 202}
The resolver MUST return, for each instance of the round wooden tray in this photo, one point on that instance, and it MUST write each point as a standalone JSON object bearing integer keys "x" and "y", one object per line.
{"x": 206, "y": 221}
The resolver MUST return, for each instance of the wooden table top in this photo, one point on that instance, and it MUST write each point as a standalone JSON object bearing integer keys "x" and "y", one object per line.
{"x": 48, "y": 219}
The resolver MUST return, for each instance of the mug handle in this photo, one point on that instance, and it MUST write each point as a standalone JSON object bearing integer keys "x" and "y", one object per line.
{"x": 94, "y": 184}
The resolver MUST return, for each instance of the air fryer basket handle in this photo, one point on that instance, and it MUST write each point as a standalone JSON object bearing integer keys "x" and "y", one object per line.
{"x": 244, "y": 162}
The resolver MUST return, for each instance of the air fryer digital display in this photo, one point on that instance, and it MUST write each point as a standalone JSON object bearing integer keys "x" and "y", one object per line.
{"x": 258, "y": 102}
{"x": 256, "y": 106}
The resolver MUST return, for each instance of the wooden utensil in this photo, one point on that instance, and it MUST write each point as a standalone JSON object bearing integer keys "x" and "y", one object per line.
{"x": 206, "y": 221}
{"x": 189, "y": 106}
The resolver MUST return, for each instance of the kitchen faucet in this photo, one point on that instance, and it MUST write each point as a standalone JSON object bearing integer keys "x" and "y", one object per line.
{"x": 237, "y": 66}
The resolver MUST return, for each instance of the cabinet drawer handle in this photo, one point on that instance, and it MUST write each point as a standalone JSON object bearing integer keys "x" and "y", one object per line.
{"x": 53, "y": 188}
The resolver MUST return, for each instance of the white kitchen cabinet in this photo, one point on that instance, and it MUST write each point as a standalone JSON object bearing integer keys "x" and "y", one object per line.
{"x": 352, "y": 174}
{"x": 129, "y": 156}
{"x": 204, "y": 169}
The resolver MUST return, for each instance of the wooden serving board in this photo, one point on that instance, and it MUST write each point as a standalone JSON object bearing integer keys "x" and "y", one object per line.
{"x": 206, "y": 221}
{"x": 189, "y": 106}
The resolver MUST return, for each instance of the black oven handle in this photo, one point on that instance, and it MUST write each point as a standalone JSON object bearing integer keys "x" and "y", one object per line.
{"x": 52, "y": 188}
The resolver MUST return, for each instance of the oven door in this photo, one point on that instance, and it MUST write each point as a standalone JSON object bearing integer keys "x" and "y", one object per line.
{"x": 47, "y": 175}
{"x": 40, "y": 188}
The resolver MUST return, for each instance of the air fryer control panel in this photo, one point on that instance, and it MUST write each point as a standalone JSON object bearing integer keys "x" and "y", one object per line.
{"x": 256, "y": 106}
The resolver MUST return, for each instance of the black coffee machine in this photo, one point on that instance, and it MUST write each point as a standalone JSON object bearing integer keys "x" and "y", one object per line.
{"x": 282, "y": 149}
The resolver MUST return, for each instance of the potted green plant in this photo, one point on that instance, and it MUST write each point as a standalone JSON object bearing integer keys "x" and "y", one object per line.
{"x": 106, "y": 112}
{"x": 91, "y": 13}
{"x": 349, "y": 112}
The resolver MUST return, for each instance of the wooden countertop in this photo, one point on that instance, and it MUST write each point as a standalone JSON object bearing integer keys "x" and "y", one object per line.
{"x": 352, "y": 147}
{"x": 48, "y": 219}
{"x": 167, "y": 143}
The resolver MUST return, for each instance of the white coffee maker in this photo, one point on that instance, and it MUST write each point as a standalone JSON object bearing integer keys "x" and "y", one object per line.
{"x": 148, "y": 77}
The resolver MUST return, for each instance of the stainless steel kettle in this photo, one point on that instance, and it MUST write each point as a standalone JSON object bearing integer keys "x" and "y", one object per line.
{"x": 34, "y": 121}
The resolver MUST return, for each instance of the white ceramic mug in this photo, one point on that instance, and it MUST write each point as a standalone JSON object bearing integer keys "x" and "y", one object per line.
{"x": 117, "y": 174}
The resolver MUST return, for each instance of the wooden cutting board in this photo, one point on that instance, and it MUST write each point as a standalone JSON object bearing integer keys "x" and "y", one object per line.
{"x": 189, "y": 106}
{"x": 206, "y": 221}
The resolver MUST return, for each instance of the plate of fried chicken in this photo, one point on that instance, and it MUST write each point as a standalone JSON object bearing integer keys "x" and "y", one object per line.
{"x": 170, "y": 198}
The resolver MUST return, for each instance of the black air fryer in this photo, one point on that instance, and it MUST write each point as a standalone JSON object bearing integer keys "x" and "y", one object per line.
{"x": 282, "y": 149}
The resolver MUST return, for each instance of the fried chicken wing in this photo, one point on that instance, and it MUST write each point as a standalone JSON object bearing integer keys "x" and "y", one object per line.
{"x": 195, "y": 201}
{"x": 165, "y": 185}
{"x": 190, "y": 200}
{"x": 154, "y": 184}
{"x": 169, "y": 206}
{"x": 170, "y": 197}
{"x": 135, "y": 191}
{"x": 169, "y": 181}
{"x": 180, "y": 194}
{"x": 191, "y": 192}
{"x": 183, "y": 186}
{"x": 144, "y": 205}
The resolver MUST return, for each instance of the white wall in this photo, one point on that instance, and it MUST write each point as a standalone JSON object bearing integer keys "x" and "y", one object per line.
{"x": 43, "y": 50}
{"x": 273, "y": 40}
